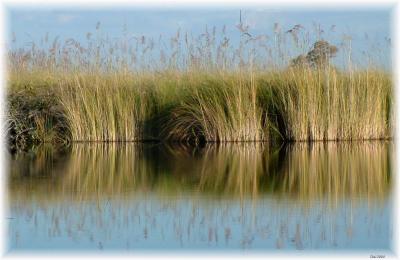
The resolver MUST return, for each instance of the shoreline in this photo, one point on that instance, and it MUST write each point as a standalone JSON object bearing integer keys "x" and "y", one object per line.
{"x": 290, "y": 106}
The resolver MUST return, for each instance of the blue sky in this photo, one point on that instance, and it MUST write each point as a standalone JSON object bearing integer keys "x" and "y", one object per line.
{"x": 369, "y": 28}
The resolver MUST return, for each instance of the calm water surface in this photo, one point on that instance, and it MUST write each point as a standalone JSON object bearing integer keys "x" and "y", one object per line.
{"x": 237, "y": 196}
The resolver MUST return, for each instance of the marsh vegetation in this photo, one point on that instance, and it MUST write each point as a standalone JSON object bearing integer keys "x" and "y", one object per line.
{"x": 195, "y": 89}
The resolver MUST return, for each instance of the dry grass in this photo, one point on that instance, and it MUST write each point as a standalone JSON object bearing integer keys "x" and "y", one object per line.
{"x": 198, "y": 89}
{"x": 331, "y": 105}
{"x": 219, "y": 108}
{"x": 107, "y": 108}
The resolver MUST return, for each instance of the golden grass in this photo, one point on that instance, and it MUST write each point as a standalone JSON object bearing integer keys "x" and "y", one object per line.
{"x": 218, "y": 108}
{"x": 103, "y": 108}
{"x": 198, "y": 90}
{"x": 332, "y": 105}
{"x": 303, "y": 105}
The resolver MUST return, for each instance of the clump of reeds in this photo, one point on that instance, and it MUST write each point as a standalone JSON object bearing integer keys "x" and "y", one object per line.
{"x": 35, "y": 116}
{"x": 331, "y": 105}
{"x": 103, "y": 108}
{"x": 218, "y": 108}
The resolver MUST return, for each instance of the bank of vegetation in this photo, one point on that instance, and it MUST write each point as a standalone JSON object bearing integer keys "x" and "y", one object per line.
{"x": 195, "y": 90}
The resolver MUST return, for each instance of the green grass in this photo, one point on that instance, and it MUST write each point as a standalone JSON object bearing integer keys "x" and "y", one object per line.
{"x": 217, "y": 108}
{"x": 291, "y": 105}
{"x": 204, "y": 91}
{"x": 331, "y": 105}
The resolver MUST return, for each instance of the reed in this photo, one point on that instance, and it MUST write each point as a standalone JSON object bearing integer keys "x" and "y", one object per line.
{"x": 199, "y": 89}
{"x": 219, "y": 108}
{"x": 35, "y": 117}
{"x": 103, "y": 108}
{"x": 329, "y": 104}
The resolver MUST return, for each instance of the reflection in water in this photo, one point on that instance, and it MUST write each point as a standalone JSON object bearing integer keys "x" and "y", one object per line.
{"x": 248, "y": 195}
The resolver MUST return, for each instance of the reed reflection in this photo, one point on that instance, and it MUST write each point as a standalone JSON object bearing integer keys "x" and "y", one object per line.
{"x": 302, "y": 171}
{"x": 247, "y": 195}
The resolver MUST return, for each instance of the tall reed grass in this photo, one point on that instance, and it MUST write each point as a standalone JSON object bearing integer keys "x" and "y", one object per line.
{"x": 103, "y": 108}
{"x": 330, "y": 104}
{"x": 198, "y": 89}
{"x": 218, "y": 108}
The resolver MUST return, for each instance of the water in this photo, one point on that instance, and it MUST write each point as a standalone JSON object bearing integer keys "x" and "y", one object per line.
{"x": 228, "y": 197}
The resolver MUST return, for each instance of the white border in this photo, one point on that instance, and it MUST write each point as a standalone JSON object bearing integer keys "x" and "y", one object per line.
{"x": 203, "y": 3}
{"x": 3, "y": 161}
{"x": 225, "y": 4}
{"x": 396, "y": 156}
{"x": 178, "y": 4}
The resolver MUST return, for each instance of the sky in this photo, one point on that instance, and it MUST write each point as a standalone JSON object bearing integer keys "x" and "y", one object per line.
{"x": 369, "y": 29}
